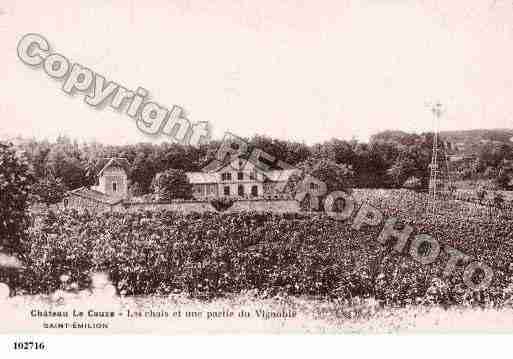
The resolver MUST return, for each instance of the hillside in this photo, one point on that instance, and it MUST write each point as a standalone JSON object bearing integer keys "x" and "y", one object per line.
{"x": 476, "y": 136}
{"x": 463, "y": 142}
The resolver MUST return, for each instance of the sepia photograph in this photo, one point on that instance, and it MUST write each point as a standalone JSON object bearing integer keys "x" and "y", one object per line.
{"x": 239, "y": 167}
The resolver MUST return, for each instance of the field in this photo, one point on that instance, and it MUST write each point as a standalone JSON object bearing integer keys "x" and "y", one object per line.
{"x": 336, "y": 277}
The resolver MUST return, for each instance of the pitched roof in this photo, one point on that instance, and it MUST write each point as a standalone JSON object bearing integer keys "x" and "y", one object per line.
{"x": 201, "y": 177}
{"x": 212, "y": 166}
{"x": 215, "y": 165}
{"x": 94, "y": 195}
{"x": 115, "y": 161}
{"x": 281, "y": 175}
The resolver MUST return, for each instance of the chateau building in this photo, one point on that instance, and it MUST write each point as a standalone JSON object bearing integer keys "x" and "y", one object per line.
{"x": 237, "y": 177}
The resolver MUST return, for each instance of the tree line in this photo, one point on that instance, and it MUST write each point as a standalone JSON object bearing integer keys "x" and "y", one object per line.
{"x": 389, "y": 160}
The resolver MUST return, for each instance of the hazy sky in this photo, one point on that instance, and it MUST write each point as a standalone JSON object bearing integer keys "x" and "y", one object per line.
{"x": 302, "y": 70}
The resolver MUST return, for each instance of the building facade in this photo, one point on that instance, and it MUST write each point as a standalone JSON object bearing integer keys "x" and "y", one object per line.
{"x": 111, "y": 190}
{"x": 113, "y": 179}
{"x": 240, "y": 178}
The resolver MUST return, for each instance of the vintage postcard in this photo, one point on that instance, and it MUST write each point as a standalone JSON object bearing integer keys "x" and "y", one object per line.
{"x": 255, "y": 167}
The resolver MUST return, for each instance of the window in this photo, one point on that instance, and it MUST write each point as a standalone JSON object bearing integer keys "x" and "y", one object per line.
{"x": 240, "y": 176}
{"x": 252, "y": 176}
{"x": 227, "y": 176}
{"x": 240, "y": 190}
{"x": 314, "y": 186}
{"x": 226, "y": 190}
{"x": 114, "y": 186}
{"x": 254, "y": 191}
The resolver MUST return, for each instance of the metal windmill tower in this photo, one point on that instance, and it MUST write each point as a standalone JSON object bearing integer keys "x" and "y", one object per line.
{"x": 435, "y": 173}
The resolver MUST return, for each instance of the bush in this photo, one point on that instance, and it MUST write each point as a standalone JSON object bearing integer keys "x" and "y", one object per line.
{"x": 222, "y": 204}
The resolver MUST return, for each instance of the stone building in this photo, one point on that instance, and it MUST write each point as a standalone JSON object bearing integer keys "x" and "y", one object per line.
{"x": 237, "y": 177}
{"x": 113, "y": 178}
{"x": 111, "y": 188}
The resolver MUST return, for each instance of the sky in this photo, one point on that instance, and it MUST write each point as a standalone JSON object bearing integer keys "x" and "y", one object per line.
{"x": 300, "y": 70}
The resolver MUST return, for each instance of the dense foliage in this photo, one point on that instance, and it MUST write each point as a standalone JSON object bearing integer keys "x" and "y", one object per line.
{"x": 48, "y": 190}
{"x": 209, "y": 255}
{"x": 172, "y": 184}
{"x": 335, "y": 176}
{"x": 386, "y": 161}
{"x": 15, "y": 182}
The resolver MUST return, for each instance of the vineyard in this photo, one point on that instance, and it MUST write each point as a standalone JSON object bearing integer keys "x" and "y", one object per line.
{"x": 210, "y": 255}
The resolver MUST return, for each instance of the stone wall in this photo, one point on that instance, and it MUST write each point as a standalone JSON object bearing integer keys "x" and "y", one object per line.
{"x": 257, "y": 205}
{"x": 81, "y": 203}
{"x": 185, "y": 207}
{"x": 265, "y": 205}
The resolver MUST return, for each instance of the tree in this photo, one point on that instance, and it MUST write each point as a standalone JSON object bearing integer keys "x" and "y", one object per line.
{"x": 142, "y": 172}
{"x": 335, "y": 176}
{"x": 16, "y": 179}
{"x": 481, "y": 194}
{"x": 466, "y": 174}
{"x": 335, "y": 150}
{"x": 372, "y": 164}
{"x": 91, "y": 168}
{"x": 289, "y": 152}
{"x": 503, "y": 180}
{"x": 492, "y": 154}
{"x": 171, "y": 184}
{"x": 498, "y": 199}
{"x": 401, "y": 170}
{"x": 317, "y": 179}
{"x": 49, "y": 190}
{"x": 490, "y": 172}
{"x": 135, "y": 190}
{"x": 63, "y": 165}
